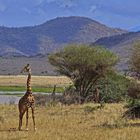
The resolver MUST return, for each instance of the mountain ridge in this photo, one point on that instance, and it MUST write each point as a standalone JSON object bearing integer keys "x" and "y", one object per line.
{"x": 121, "y": 45}
{"x": 52, "y": 35}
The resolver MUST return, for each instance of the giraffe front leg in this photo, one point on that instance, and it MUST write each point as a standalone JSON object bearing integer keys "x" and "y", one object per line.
{"x": 27, "y": 116}
{"x": 20, "y": 121}
{"x": 33, "y": 117}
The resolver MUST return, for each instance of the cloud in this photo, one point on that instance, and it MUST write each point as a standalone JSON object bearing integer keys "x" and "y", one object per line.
{"x": 49, "y": 1}
{"x": 38, "y": 2}
{"x": 93, "y": 8}
{"x": 67, "y": 3}
{"x": 63, "y": 3}
{"x": 26, "y": 10}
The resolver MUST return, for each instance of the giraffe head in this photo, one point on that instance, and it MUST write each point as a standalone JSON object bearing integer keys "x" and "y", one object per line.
{"x": 26, "y": 69}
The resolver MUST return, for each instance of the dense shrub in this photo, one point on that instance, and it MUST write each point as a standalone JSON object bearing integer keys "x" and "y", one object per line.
{"x": 134, "y": 89}
{"x": 133, "y": 102}
{"x": 112, "y": 89}
{"x": 134, "y": 62}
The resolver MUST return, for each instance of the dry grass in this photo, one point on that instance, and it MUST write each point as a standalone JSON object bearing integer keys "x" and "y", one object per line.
{"x": 79, "y": 122}
{"x": 36, "y": 80}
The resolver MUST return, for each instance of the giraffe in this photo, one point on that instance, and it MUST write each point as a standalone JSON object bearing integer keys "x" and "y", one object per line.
{"x": 27, "y": 101}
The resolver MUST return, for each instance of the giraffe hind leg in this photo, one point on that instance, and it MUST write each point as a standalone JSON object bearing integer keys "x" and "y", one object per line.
{"x": 27, "y": 116}
{"x": 33, "y": 117}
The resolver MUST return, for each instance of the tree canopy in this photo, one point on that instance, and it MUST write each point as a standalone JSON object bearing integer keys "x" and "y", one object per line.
{"x": 84, "y": 64}
{"x": 135, "y": 60}
{"x": 133, "y": 91}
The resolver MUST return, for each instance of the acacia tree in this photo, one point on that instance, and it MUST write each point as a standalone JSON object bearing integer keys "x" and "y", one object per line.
{"x": 135, "y": 60}
{"x": 134, "y": 88}
{"x": 83, "y": 64}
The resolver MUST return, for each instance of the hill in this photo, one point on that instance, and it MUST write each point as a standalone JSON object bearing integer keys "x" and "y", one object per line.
{"x": 121, "y": 45}
{"x": 12, "y": 65}
{"x": 52, "y": 35}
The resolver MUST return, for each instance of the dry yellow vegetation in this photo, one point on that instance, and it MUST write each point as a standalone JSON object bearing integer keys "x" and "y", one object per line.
{"x": 20, "y": 80}
{"x": 75, "y": 122}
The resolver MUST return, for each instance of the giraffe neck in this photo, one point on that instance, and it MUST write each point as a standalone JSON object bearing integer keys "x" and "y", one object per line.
{"x": 29, "y": 89}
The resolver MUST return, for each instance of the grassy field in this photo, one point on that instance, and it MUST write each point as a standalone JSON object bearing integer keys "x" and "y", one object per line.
{"x": 39, "y": 83}
{"x": 34, "y": 89}
{"x": 76, "y": 122}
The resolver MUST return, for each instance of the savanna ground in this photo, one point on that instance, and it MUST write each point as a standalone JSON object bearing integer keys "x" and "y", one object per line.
{"x": 75, "y": 122}
{"x": 59, "y": 122}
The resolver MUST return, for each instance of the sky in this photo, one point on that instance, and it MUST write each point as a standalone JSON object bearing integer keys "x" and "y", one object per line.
{"x": 123, "y": 14}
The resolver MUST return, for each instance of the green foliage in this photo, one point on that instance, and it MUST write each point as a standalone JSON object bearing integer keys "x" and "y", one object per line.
{"x": 113, "y": 88}
{"x": 133, "y": 93}
{"x": 135, "y": 60}
{"x": 134, "y": 90}
{"x": 133, "y": 102}
{"x": 84, "y": 64}
{"x": 82, "y": 56}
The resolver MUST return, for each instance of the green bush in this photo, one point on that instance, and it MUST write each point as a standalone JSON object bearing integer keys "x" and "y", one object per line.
{"x": 113, "y": 88}
{"x": 133, "y": 102}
